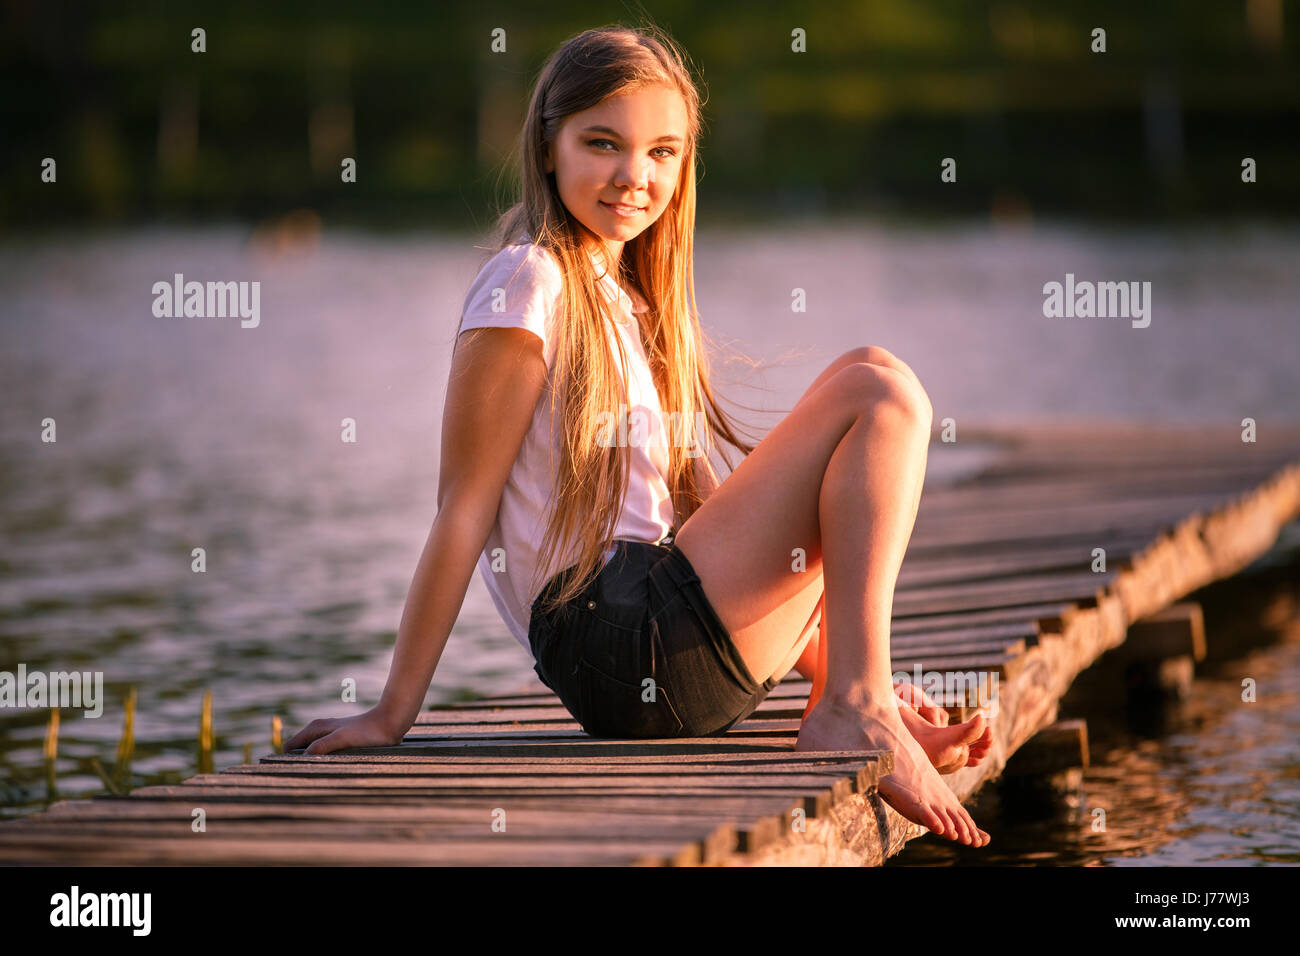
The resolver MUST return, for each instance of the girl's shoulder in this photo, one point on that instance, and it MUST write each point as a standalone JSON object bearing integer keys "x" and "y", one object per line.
{"x": 520, "y": 286}
{"x": 526, "y": 260}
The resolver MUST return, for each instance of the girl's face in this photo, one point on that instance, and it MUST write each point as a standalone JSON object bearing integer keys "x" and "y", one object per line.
{"x": 626, "y": 150}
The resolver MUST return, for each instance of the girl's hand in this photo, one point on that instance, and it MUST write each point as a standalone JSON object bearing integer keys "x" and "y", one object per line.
{"x": 328, "y": 734}
{"x": 921, "y": 702}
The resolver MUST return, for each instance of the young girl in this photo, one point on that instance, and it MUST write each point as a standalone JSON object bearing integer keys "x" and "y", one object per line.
{"x": 576, "y": 476}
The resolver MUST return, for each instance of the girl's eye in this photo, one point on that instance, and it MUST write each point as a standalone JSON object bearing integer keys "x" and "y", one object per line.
{"x": 668, "y": 152}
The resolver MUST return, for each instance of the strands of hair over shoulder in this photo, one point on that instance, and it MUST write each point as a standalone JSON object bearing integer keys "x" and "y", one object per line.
{"x": 591, "y": 476}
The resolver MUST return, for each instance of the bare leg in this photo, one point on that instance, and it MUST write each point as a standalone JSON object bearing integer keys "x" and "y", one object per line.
{"x": 864, "y": 535}
{"x": 829, "y": 480}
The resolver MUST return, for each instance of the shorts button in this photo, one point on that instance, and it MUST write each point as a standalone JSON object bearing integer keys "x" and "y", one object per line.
{"x": 591, "y": 605}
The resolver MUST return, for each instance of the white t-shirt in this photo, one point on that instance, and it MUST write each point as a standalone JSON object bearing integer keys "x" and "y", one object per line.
{"x": 531, "y": 280}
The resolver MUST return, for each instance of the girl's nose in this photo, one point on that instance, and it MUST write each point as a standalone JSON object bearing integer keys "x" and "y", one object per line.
{"x": 642, "y": 172}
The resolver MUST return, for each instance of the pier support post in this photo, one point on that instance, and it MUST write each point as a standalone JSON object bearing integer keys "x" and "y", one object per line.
{"x": 1160, "y": 652}
{"x": 1045, "y": 776}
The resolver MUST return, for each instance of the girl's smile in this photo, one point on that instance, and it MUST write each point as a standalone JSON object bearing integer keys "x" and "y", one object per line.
{"x": 624, "y": 210}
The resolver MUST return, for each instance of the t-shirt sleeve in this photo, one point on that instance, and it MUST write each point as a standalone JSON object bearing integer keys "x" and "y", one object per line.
{"x": 518, "y": 288}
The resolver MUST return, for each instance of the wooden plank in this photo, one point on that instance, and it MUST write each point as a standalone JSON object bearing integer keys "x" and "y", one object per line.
{"x": 533, "y": 810}
{"x": 1091, "y": 437}
{"x": 518, "y": 827}
{"x": 916, "y": 650}
{"x": 339, "y": 779}
{"x": 1012, "y": 614}
{"x": 1069, "y": 583}
{"x": 1047, "y": 463}
{"x": 443, "y": 775}
{"x": 1022, "y": 630}
{"x": 929, "y": 569}
{"x": 1002, "y": 492}
{"x": 755, "y": 761}
{"x": 358, "y": 804}
{"x": 756, "y": 802}
{"x": 739, "y": 806}
{"x": 1079, "y": 511}
{"x": 981, "y": 595}
{"x": 340, "y": 789}
{"x": 80, "y": 850}
{"x": 524, "y": 747}
{"x": 1063, "y": 525}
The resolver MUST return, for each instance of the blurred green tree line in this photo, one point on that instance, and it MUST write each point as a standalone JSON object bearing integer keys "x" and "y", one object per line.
{"x": 144, "y": 129}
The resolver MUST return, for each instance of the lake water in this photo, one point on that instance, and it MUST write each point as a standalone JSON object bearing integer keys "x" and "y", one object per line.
{"x": 184, "y": 432}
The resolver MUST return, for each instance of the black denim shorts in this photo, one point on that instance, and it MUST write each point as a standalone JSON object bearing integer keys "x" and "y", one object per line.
{"x": 641, "y": 652}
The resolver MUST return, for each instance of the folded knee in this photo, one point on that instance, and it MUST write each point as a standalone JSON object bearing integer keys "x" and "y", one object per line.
{"x": 874, "y": 389}
{"x": 878, "y": 355}
{"x": 871, "y": 355}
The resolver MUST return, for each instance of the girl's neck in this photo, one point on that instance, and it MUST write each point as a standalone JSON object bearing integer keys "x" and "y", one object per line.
{"x": 606, "y": 251}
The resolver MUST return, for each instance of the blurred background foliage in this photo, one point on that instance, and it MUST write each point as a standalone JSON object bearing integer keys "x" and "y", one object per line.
{"x": 143, "y": 129}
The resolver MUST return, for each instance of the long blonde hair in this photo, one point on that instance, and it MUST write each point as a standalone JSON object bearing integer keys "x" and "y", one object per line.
{"x": 592, "y": 477}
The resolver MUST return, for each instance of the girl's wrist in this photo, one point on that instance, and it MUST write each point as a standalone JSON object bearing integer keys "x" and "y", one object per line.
{"x": 393, "y": 720}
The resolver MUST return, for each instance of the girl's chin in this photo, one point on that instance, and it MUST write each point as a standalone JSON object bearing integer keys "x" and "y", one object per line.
{"x": 619, "y": 231}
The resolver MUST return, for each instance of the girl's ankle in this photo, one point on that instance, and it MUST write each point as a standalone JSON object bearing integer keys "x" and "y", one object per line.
{"x": 857, "y": 704}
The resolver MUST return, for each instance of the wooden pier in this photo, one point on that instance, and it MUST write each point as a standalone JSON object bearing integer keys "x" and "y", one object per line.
{"x": 1003, "y": 577}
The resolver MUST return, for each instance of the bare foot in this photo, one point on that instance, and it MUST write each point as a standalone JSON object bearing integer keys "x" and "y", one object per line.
{"x": 949, "y": 747}
{"x": 914, "y": 788}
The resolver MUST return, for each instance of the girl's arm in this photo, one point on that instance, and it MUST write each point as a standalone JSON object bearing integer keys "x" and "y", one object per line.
{"x": 497, "y": 378}
{"x": 433, "y": 603}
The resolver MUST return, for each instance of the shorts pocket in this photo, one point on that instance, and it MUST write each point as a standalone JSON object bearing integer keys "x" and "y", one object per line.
{"x": 610, "y": 706}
